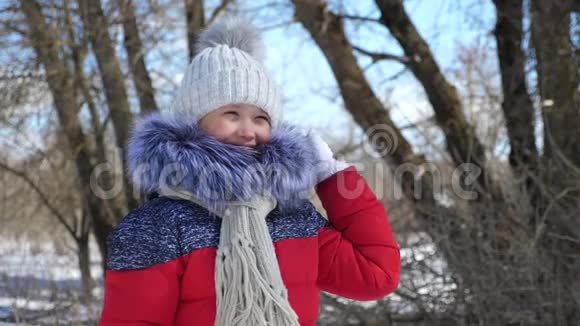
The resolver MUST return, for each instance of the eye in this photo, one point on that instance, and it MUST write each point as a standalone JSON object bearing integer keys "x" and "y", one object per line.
{"x": 263, "y": 117}
{"x": 232, "y": 113}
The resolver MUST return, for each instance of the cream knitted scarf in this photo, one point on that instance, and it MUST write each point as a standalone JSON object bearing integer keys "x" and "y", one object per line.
{"x": 249, "y": 286}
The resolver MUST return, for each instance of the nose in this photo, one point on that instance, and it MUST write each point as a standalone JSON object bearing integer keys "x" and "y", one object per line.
{"x": 246, "y": 132}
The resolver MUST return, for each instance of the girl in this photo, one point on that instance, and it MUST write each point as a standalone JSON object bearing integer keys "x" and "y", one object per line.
{"x": 228, "y": 236}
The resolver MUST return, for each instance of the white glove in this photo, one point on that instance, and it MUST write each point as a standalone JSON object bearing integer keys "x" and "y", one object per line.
{"x": 328, "y": 165}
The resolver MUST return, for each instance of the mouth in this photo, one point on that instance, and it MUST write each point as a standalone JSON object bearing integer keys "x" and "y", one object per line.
{"x": 247, "y": 144}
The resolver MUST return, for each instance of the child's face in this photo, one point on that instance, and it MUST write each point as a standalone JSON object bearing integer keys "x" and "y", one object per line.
{"x": 238, "y": 124}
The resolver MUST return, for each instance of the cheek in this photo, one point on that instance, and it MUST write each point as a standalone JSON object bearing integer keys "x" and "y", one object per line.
{"x": 264, "y": 134}
{"x": 220, "y": 129}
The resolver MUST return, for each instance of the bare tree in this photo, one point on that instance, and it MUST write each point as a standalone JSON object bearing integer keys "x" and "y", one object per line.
{"x": 136, "y": 57}
{"x": 77, "y": 227}
{"x": 61, "y": 83}
{"x": 485, "y": 233}
{"x": 113, "y": 81}
{"x": 517, "y": 105}
{"x": 558, "y": 79}
{"x": 462, "y": 143}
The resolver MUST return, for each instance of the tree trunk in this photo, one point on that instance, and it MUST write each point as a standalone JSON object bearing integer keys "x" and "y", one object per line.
{"x": 195, "y": 18}
{"x": 61, "y": 85}
{"x": 517, "y": 105}
{"x": 136, "y": 57}
{"x": 113, "y": 81}
{"x": 519, "y": 115}
{"x": 84, "y": 254}
{"x": 462, "y": 142}
{"x": 115, "y": 205}
{"x": 558, "y": 78}
{"x": 85, "y": 267}
{"x": 359, "y": 99}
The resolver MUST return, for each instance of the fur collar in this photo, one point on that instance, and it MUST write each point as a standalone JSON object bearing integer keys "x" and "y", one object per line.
{"x": 165, "y": 151}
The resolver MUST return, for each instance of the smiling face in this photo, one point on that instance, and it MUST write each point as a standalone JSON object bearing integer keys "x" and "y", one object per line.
{"x": 238, "y": 124}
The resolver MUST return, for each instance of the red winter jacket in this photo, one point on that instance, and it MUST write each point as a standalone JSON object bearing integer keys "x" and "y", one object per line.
{"x": 354, "y": 256}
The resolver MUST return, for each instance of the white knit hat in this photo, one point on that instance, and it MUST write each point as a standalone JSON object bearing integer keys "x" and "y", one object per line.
{"x": 227, "y": 69}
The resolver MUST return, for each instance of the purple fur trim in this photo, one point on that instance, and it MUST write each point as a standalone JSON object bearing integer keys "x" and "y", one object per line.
{"x": 170, "y": 152}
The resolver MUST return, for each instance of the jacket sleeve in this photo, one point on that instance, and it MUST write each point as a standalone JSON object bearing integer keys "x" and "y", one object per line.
{"x": 358, "y": 255}
{"x": 143, "y": 274}
{"x": 141, "y": 297}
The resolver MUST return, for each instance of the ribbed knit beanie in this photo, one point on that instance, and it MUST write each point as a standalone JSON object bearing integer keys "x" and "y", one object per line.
{"x": 227, "y": 69}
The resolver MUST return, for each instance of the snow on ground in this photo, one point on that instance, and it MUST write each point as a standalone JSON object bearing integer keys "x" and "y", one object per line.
{"x": 39, "y": 284}
{"x": 35, "y": 280}
{"x": 21, "y": 258}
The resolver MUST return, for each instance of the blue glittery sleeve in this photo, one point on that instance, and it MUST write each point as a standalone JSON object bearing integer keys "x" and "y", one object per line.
{"x": 302, "y": 222}
{"x": 147, "y": 236}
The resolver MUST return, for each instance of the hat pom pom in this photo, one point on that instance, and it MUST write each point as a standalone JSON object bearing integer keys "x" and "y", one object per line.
{"x": 235, "y": 33}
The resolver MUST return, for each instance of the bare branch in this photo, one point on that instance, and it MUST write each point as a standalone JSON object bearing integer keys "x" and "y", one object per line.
{"x": 395, "y": 75}
{"x": 378, "y": 56}
{"x": 276, "y": 25}
{"x": 219, "y": 10}
{"x": 358, "y": 18}
{"x": 42, "y": 196}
